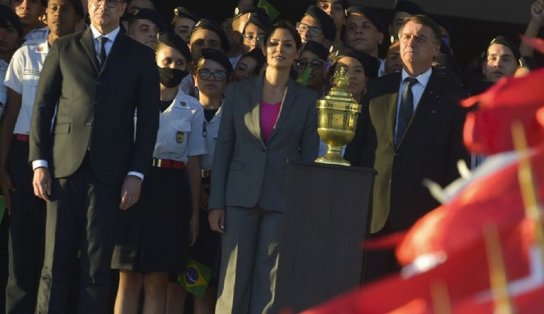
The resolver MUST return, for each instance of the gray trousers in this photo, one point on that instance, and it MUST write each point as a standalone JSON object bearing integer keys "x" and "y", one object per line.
{"x": 249, "y": 260}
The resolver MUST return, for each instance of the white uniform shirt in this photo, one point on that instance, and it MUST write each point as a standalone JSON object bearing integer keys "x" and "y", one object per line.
{"x": 3, "y": 90}
{"x": 180, "y": 130}
{"x": 22, "y": 77}
{"x": 36, "y": 35}
{"x": 210, "y": 131}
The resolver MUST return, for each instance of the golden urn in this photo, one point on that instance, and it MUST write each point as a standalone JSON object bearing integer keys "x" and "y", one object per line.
{"x": 337, "y": 119}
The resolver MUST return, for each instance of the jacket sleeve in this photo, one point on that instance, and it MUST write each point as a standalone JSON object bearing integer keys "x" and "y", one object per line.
{"x": 147, "y": 114}
{"x": 47, "y": 96}
{"x": 224, "y": 147}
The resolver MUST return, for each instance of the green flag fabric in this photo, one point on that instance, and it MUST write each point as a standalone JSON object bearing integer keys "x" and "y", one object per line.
{"x": 196, "y": 277}
{"x": 269, "y": 8}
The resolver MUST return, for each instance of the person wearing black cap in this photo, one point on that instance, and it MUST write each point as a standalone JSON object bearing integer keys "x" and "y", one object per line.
{"x": 154, "y": 235}
{"x": 318, "y": 26}
{"x": 403, "y": 9}
{"x": 501, "y": 59}
{"x": 254, "y": 32}
{"x": 207, "y": 34}
{"x": 211, "y": 75}
{"x": 242, "y": 13}
{"x": 250, "y": 65}
{"x": 144, "y": 25}
{"x": 360, "y": 67}
{"x": 336, "y": 10}
{"x": 313, "y": 58}
{"x": 364, "y": 30}
{"x": 27, "y": 220}
{"x": 135, "y": 5}
{"x": 30, "y": 12}
{"x": 410, "y": 130}
{"x": 266, "y": 121}
{"x": 183, "y": 22}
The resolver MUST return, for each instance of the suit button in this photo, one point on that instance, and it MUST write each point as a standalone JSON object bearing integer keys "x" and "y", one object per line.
{"x": 89, "y": 124}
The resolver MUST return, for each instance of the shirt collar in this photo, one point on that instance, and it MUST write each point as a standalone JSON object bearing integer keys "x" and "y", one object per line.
{"x": 111, "y": 35}
{"x": 422, "y": 79}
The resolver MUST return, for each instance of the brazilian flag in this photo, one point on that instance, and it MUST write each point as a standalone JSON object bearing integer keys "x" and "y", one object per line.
{"x": 269, "y": 8}
{"x": 196, "y": 277}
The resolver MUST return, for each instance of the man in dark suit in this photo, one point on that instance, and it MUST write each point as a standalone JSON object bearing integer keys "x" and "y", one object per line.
{"x": 92, "y": 82}
{"x": 410, "y": 130}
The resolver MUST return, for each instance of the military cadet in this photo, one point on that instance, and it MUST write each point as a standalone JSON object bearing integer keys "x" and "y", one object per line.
{"x": 27, "y": 220}
{"x": 154, "y": 236}
{"x": 211, "y": 75}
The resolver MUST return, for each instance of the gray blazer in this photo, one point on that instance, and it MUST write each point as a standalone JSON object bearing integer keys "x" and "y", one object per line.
{"x": 248, "y": 172}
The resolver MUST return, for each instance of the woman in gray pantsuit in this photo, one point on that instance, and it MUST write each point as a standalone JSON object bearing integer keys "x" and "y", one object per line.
{"x": 267, "y": 121}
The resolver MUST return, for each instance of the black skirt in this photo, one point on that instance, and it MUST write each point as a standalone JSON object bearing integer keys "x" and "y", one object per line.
{"x": 154, "y": 234}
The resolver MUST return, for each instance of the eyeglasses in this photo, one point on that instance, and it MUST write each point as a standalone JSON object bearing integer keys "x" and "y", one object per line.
{"x": 205, "y": 74}
{"x": 314, "y": 64}
{"x": 252, "y": 37}
{"x": 110, "y": 4}
{"x": 336, "y": 6}
{"x": 313, "y": 31}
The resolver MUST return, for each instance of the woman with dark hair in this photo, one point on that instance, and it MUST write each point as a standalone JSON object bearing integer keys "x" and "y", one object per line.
{"x": 250, "y": 65}
{"x": 266, "y": 122}
{"x": 154, "y": 235}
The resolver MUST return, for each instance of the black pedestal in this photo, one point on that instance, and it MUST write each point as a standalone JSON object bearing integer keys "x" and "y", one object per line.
{"x": 325, "y": 224}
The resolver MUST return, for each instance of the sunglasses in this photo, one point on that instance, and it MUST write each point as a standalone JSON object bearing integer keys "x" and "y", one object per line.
{"x": 205, "y": 74}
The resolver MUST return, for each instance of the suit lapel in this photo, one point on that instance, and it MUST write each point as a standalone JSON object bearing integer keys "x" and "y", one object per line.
{"x": 116, "y": 49}
{"x": 87, "y": 42}
{"x": 254, "y": 124}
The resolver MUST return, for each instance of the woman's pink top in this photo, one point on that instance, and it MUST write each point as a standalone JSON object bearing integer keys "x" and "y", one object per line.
{"x": 269, "y": 115}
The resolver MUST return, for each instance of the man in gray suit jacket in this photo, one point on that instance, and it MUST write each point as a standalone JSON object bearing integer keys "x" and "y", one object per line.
{"x": 91, "y": 82}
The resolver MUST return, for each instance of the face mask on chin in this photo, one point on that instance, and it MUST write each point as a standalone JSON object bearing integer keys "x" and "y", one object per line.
{"x": 171, "y": 77}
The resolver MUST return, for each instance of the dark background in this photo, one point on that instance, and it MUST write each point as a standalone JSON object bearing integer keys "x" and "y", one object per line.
{"x": 470, "y": 36}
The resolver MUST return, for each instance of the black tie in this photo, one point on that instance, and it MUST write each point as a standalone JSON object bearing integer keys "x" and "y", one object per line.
{"x": 102, "y": 50}
{"x": 406, "y": 109}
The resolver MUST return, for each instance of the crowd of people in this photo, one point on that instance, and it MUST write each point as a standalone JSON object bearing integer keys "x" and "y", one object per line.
{"x": 137, "y": 143}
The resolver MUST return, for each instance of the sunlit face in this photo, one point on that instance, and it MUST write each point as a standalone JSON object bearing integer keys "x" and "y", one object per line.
{"x": 335, "y": 9}
{"x": 106, "y": 14}
{"x": 357, "y": 77}
{"x": 169, "y": 57}
{"x": 203, "y": 38}
{"x": 245, "y": 68}
{"x": 417, "y": 45}
{"x": 206, "y": 78}
{"x": 144, "y": 32}
{"x": 9, "y": 39}
{"x": 253, "y": 37}
{"x": 500, "y": 62}
{"x": 61, "y": 17}
{"x": 309, "y": 29}
{"x": 281, "y": 49}
{"x": 28, "y": 11}
{"x": 183, "y": 27}
{"x": 361, "y": 34}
